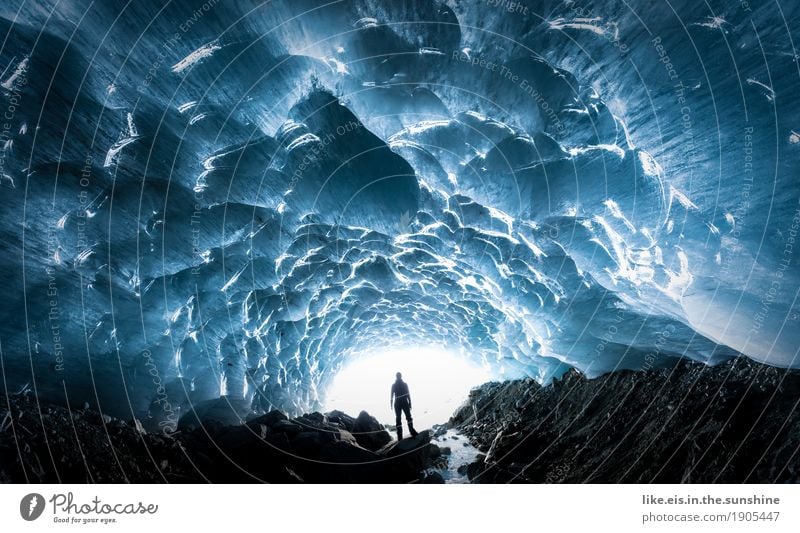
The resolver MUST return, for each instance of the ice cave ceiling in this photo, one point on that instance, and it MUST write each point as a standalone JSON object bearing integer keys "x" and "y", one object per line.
{"x": 206, "y": 198}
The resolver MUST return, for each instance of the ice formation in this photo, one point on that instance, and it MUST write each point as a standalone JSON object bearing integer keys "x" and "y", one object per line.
{"x": 205, "y": 199}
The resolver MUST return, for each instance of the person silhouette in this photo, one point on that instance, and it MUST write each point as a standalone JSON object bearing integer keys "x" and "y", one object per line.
{"x": 400, "y": 397}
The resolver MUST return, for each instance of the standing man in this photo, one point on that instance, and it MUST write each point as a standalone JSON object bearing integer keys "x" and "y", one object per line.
{"x": 401, "y": 399}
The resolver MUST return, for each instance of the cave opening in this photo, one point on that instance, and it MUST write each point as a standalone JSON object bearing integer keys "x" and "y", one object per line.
{"x": 439, "y": 381}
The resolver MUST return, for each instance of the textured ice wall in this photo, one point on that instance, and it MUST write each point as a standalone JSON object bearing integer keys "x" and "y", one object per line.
{"x": 231, "y": 198}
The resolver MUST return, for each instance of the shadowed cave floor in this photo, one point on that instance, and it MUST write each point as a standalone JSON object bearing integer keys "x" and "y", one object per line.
{"x": 736, "y": 422}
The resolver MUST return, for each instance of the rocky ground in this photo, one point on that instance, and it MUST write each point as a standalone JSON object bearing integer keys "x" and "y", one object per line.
{"x": 46, "y": 443}
{"x": 735, "y": 422}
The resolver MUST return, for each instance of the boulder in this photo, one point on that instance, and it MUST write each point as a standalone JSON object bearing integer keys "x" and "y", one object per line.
{"x": 312, "y": 421}
{"x": 344, "y": 420}
{"x": 369, "y": 432}
{"x": 269, "y": 419}
{"x": 316, "y": 417}
{"x": 408, "y": 457}
{"x": 340, "y": 452}
{"x": 407, "y": 445}
{"x": 433, "y": 478}
{"x": 475, "y": 469}
{"x": 342, "y": 462}
{"x": 346, "y": 436}
{"x": 287, "y": 426}
{"x": 439, "y": 430}
{"x": 434, "y": 451}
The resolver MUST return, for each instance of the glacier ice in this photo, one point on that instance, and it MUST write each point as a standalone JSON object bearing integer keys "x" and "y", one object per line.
{"x": 210, "y": 200}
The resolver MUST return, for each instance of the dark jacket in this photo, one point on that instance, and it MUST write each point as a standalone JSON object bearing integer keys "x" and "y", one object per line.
{"x": 400, "y": 393}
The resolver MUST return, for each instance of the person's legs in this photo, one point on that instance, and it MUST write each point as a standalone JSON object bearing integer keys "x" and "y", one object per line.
{"x": 407, "y": 411}
{"x": 398, "y": 421}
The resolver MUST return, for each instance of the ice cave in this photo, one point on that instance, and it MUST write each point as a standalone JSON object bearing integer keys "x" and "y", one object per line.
{"x": 222, "y": 206}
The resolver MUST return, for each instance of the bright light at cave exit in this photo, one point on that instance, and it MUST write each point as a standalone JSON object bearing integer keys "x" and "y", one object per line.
{"x": 439, "y": 382}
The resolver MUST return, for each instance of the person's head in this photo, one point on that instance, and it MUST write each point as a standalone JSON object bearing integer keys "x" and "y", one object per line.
{"x": 399, "y": 376}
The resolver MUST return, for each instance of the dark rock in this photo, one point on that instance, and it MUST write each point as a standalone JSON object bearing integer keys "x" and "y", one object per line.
{"x": 434, "y": 451}
{"x": 225, "y": 410}
{"x": 411, "y": 456}
{"x": 238, "y": 437}
{"x": 732, "y": 423}
{"x": 433, "y": 478}
{"x": 340, "y": 452}
{"x": 278, "y": 442}
{"x": 691, "y": 423}
{"x": 490, "y": 454}
{"x": 312, "y": 421}
{"x": 286, "y": 426}
{"x": 315, "y": 417}
{"x": 269, "y": 448}
{"x": 307, "y": 444}
{"x": 370, "y": 433}
{"x": 289, "y": 476}
{"x": 439, "y": 430}
{"x": 421, "y": 441}
{"x": 344, "y": 463}
{"x": 96, "y": 418}
{"x": 137, "y": 425}
{"x": 346, "y": 436}
{"x": 345, "y": 421}
{"x": 269, "y": 419}
{"x": 475, "y": 469}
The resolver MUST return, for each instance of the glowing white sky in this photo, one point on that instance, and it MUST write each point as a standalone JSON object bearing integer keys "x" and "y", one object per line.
{"x": 439, "y": 382}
